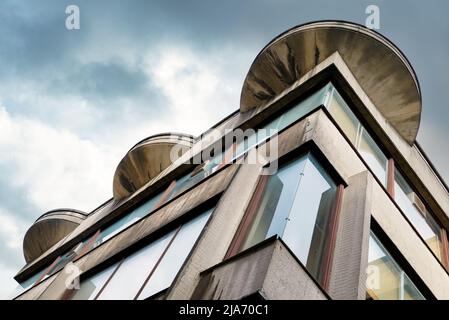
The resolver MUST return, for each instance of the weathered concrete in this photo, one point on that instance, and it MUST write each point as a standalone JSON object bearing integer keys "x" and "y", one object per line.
{"x": 270, "y": 270}
{"x": 214, "y": 243}
{"x": 48, "y": 230}
{"x": 409, "y": 244}
{"x": 348, "y": 272}
{"x": 35, "y": 292}
{"x": 380, "y": 68}
{"x": 146, "y": 160}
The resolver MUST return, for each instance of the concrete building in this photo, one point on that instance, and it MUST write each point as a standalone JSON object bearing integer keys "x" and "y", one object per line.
{"x": 328, "y": 197}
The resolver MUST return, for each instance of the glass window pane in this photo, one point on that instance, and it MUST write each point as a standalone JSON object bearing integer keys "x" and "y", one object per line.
{"x": 128, "y": 219}
{"x": 187, "y": 182}
{"x": 180, "y": 186}
{"x": 424, "y": 223}
{"x": 276, "y": 203}
{"x": 354, "y": 131}
{"x": 297, "y": 205}
{"x": 341, "y": 113}
{"x": 373, "y": 156}
{"x": 283, "y": 121}
{"x": 386, "y": 279}
{"x": 305, "y": 231}
{"x": 90, "y": 287}
{"x": 133, "y": 272}
{"x": 303, "y": 108}
{"x": 25, "y": 285}
{"x": 175, "y": 256}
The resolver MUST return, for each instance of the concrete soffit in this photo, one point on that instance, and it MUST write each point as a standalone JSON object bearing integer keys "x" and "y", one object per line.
{"x": 379, "y": 66}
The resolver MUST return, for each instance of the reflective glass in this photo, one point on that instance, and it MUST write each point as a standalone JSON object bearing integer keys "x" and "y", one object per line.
{"x": 128, "y": 219}
{"x": 281, "y": 122}
{"x": 423, "y": 222}
{"x": 296, "y": 205}
{"x": 357, "y": 134}
{"x": 133, "y": 272}
{"x": 175, "y": 256}
{"x": 373, "y": 156}
{"x": 276, "y": 203}
{"x": 341, "y": 113}
{"x": 308, "y": 220}
{"x": 386, "y": 279}
{"x": 90, "y": 287}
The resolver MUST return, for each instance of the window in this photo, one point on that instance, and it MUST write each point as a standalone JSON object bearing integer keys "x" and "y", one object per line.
{"x": 357, "y": 134}
{"x": 128, "y": 219}
{"x": 271, "y": 128}
{"x": 192, "y": 178}
{"x": 147, "y": 271}
{"x": 175, "y": 256}
{"x": 386, "y": 279}
{"x": 90, "y": 288}
{"x": 417, "y": 214}
{"x": 297, "y": 203}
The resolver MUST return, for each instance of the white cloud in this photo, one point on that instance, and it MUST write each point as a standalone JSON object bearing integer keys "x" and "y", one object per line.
{"x": 7, "y": 280}
{"x": 70, "y": 162}
{"x": 55, "y": 167}
{"x": 12, "y": 229}
{"x": 199, "y": 90}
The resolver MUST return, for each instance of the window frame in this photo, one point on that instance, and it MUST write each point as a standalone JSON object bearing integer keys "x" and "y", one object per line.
{"x": 399, "y": 258}
{"x": 251, "y": 210}
{"x": 391, "y": 168}
{"x": 121, "y": 256}
{"x": 444, "y": 262}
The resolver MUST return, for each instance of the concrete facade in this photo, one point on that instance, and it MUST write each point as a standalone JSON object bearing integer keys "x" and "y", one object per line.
{"x": 270, "y": 270}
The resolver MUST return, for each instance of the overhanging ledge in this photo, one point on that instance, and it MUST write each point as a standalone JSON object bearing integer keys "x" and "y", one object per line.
{"x": 378, "y": 65}
{"x": 146, "y": 160}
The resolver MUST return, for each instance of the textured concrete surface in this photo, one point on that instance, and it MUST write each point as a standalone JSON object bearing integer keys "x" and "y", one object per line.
{"x": 216, "y": 238}
{"x": 48, "y": 230}
{"x": 381, "y": 69}
{"x": 146, "y": 160}
{"x": 269, "y": 270}
{"x": 348, "y": 274}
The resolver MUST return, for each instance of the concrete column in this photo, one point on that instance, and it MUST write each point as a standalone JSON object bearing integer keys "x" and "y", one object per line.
{"x": 218, "y": 234}
{"x": 348, "y": 273}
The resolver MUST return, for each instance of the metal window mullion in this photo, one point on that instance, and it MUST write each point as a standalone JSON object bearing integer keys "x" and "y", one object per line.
{"x": 157, "y": 263}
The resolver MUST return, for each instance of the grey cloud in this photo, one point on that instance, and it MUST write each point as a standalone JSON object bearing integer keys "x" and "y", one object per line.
{"x": 37, "y": 50}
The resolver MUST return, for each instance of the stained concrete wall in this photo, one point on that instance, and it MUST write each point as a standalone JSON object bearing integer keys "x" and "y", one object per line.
{"x": 409, "y": 244}
{"x": 212, "y": 245}
{"x": 269, "y": 269}
{"x": 347, "y": 280}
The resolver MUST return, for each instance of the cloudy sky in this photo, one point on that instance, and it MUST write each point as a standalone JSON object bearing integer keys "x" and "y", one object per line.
{"x": 73, "y": 102}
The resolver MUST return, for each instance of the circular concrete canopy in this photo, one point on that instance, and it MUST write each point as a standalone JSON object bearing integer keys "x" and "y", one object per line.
{"x": 146, "y": 160}
{"x": 381, "y": 69}
{"x": 48, "y": 229}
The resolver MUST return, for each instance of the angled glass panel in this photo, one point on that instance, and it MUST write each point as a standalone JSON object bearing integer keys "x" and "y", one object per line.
{"x": 386, "y": 279}
{"x": 275, "y": 206}
{"x": 175, "y": 256}
{"x": 341, "y": 113}
{"x": 421, "y": 219}
{"x": 25, "y": 285}
{"x": 373, "y": 156}
{"x": 90, "y": 287}
{"x": 128, "y": 219}
{"x": 281, "y": 122}
{"x": 133, "y": 272}
{"x": 357, "y": 134}
{"x": 297, "y": 205}
{"x": 310, "y": 212}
